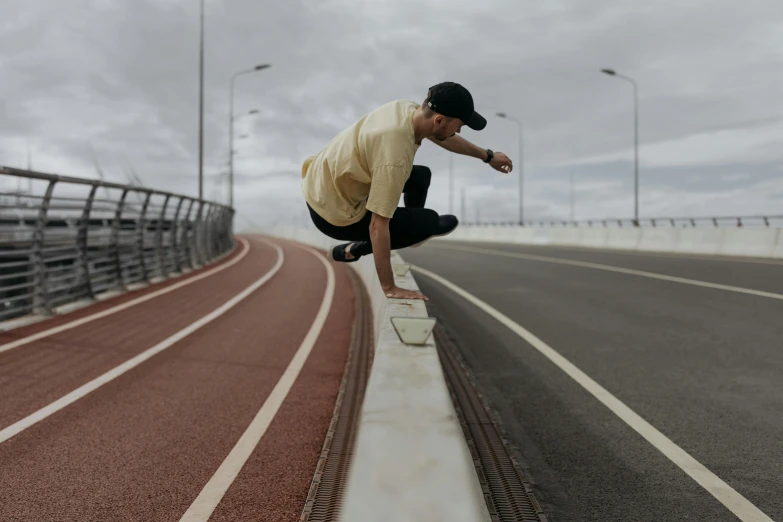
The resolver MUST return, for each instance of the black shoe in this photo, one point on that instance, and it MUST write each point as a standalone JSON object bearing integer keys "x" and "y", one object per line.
{"x": 446, "y": 225}
{"x": 337, "y": 253}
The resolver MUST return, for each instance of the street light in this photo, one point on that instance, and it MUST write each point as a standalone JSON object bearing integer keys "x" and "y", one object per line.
{"x": 611, "y": 72}
{"x": 451, "y": 182}
{"x": 201, "y": 110}
{"x": 236, "y": 118}
{"x": 231, "y": 129}
{"x": 521, "y": 170}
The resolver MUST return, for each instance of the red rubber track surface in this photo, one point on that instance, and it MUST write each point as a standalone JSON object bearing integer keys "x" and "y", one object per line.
{"x": 144, "y": 445}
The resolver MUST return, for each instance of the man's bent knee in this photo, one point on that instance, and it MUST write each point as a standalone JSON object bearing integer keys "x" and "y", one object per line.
{"x": 422, "y": 175}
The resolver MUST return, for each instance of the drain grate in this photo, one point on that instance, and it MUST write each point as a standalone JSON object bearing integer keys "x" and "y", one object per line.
{"x": 508, "y": 495}
{"x": 331, "y": 474}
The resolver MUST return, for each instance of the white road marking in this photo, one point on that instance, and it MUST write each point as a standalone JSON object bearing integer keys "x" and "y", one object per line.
{"x": 727, "y": 496}
{"x": 667, "y": 255}
{"x": 81, "y": 391}
{"x": 209, "y": 498}
{"x": 113, "y": 310}
{"x": 608, "y": 268}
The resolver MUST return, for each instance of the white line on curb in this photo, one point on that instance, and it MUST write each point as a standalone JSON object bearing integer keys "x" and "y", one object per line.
{"x": 206, "y": 502}
{"x": 81, "y": 391}
{"x": 124, "y": 306}
{"x": 608, "y": 268}
{"x": 727, "y": 496}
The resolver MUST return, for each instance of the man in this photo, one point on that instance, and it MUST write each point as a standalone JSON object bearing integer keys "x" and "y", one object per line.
{"x": 352, "y": 187}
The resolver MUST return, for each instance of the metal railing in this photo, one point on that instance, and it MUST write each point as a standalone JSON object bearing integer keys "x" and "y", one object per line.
{"x": 668, "y": 222}
{"x": 64, "y": 239}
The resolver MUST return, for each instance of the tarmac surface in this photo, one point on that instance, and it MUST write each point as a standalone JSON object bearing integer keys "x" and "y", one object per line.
{"x": 702, "y": 364}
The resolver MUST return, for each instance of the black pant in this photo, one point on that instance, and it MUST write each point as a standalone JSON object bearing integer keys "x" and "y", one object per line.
{"x": 409, "y": 225}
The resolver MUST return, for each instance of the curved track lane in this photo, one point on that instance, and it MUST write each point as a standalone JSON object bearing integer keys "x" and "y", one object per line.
{"x": 143, "y": 446}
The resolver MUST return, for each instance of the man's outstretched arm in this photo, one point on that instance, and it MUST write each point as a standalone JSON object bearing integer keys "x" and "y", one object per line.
{"x": 460, "y": 145}
{"x": 381, "y": 251}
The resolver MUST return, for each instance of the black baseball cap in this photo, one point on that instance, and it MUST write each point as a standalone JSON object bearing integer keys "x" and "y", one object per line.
{"x": 453, "y": 100}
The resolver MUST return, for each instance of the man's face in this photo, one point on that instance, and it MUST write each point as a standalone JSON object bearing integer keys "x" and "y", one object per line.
{"x": 445, "y": 127}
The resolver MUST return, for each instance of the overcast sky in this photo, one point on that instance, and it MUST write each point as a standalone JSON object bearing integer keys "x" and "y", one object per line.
{"x": 120, "y": 78}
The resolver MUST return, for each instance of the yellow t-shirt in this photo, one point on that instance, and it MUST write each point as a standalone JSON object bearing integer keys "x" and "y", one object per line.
{"x": 363, "y": 168}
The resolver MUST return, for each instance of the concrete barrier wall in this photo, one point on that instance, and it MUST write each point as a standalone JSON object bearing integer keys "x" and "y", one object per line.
{"x": 753, "y": 242}
{"x": 564, "y": 236}
{"x": 738, "y": 242}
{"x": 699, "y": 241}
{"x": 594, "y": 237}
{"x": 411, "y": 461}
{"x": 659, "y": 239}
{"x": 778, "y": 252}
{"x": 623, "y": 238}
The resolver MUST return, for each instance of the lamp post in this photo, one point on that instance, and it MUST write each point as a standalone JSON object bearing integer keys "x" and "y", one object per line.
{"x": 229, "y": 173}
{"x": 462, "y": 213}
{"x": 611, "y": 72}
{"x": 231, "y": 129}
{"x": 521, "y": 170}
{"x": 451, "y": 182}
{"x": 573, "y": 203}
{"x": 201, "y": 109}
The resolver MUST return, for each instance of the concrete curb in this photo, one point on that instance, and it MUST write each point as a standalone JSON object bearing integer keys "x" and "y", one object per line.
{"x": 411, "y": 461}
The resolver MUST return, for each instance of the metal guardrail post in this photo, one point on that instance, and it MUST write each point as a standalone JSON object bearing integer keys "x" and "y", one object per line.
{"x": 92, "y": 252}
{"x": 198, "y": 235}
{"x": 189, "y": 235}
{"x": 83, "y": 243}
{"x": 228, "y": 232}
{"x": 41, "y": 303}
{"x": 115, "y": 238}
{"x": 230, "y": 228}
{"x": 226, "y": 229}
{"x": 159, "y": 239}
{"x": 141, "y": 227}
{"x": 174, "y": 231}
{"x": 204, "y": 234}
{"x": 209, "y": 234}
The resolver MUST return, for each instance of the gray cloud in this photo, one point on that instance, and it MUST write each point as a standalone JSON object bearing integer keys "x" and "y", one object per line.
{"x": 121, "y": 77}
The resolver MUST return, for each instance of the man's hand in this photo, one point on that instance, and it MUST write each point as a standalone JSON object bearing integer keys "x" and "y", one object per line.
{"x": 379, "y": 236}
{"x": 401, "y": 293}
{"x": 501, "y": 163}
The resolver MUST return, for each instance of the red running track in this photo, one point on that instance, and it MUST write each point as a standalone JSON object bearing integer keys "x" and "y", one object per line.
{"x": 144, "y": 445}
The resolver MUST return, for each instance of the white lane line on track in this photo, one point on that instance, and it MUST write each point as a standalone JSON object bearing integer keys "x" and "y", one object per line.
{"x": 124, "y": 306}
{"x": 81, "y": 391}
{"x": 727, "y": 496}
{"x": 209, "y": 498}
{"x": 608, "y": 268}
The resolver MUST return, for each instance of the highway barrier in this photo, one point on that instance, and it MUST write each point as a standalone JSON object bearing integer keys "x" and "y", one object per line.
{"x": 764, "y": 242}
{"x": 411, "y": 461}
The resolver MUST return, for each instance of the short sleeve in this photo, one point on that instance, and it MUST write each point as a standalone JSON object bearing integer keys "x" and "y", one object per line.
{"x": 386, "y": 188}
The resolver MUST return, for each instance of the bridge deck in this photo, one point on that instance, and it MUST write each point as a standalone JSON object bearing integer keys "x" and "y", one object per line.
{"x": 690, "y": 344}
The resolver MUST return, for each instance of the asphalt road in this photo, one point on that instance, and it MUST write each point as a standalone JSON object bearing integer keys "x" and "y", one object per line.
{"x": 702, "y": 365}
